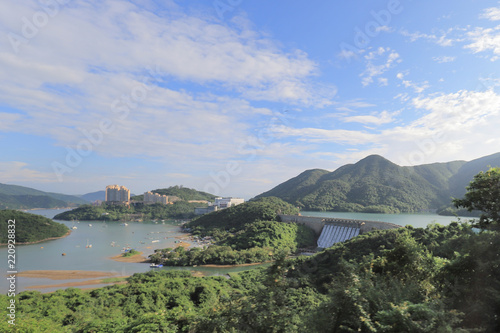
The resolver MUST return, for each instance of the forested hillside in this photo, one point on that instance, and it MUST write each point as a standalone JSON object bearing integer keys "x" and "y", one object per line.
{"x": 375, "y": 184}
{"x": 29, "y": 227}
{"x": 181, "y": 192}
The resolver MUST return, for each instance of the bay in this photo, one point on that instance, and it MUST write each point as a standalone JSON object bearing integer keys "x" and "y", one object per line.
{"x": 107, "y": 240}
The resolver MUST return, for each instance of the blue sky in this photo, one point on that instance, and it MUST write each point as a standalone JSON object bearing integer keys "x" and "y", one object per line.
{"x": 236, "y": 96}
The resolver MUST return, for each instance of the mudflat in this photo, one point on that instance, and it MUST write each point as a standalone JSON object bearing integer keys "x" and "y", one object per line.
{"x": 65, "y": 275}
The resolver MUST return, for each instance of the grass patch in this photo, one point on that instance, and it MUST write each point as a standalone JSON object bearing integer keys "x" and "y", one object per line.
{"x": 131, "y": 253}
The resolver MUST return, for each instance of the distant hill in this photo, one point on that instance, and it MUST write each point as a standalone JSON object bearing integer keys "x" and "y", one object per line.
{"x": 375, "y": 184}
{"x": 20, "y": 197}
{"x": 93, "y": 196}
{"x": 184, "y": 193}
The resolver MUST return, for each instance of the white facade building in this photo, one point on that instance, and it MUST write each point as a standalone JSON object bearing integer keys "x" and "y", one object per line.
{"x": 227, "y": 202}
{"x": 150, "y": 197}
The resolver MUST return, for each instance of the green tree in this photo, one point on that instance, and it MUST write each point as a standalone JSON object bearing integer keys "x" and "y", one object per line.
{"x": 483, "y": 194}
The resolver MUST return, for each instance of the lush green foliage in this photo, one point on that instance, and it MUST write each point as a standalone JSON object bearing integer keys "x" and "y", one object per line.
{"x": 29, "y": 227}
{"x": 438, "y": 279}
{"x": 214, "y": 254}
{"x": 256, "y": 242}
{"x": 237, "y": 217}
{"x": 130, "y": 253}
{"x": 376, "y": 185}
{"x": 483, "y": 194}
{"x": 177, "y": 210}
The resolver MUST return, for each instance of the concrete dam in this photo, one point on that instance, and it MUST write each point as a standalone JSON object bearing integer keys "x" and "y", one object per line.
{"x": 335, "y": 230}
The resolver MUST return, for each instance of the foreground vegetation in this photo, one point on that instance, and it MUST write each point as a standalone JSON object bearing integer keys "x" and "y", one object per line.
{"x": 438, "y": 279}
{"x": 29, "y": 227}
{"x": 247, "y": 233}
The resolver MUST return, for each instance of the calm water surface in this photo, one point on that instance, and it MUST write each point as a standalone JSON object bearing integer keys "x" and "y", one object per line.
{"x": 417, "y": 220}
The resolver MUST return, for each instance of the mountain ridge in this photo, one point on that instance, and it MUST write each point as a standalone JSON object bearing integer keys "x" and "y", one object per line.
{"x": 21, "y": 197}
{"x": 375, "y": 184}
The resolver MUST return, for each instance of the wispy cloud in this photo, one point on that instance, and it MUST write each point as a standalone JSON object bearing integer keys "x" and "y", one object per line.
{"x": 418, "y": 88}
{"x": 373, "y": 70}
{"x": 444, "y": 59}
{"x": 65, "y": 81}
{"x": 485, "y": 39}
{"x": 492, "y": 14}
{"x": 381, "y": 118}
{"x": 21, "y": 172}
{"x": 441, "y": 38}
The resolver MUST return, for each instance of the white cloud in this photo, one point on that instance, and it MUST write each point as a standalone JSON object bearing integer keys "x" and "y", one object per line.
{"x": 485, "y": 39}
{"x": 20, "y": 172}
{"x": 441, "y": 39}
{"x": 418, "y": 88}
{"x": 318, "y": 135}
{"x": 444, "y": 59}
{"x": 492, "y": 14}
{"x": 65, "y": 79}
{"x": 381, "y": 118}
{"x": 454, "y": 126}
{"x": 373, "y": 70}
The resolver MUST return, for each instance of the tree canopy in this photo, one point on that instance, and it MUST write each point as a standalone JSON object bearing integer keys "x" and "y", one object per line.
{"x": 483, "y": 194}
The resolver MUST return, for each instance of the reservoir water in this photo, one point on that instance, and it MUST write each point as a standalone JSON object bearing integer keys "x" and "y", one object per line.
{"x": 108, "y": 239}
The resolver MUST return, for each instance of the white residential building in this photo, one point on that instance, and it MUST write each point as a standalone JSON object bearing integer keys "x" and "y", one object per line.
{"x": 116, "y": 193}
{"x": 150, "y": 198}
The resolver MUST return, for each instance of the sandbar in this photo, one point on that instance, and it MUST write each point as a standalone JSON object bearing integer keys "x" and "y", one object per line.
{"x": 65, "y": 275}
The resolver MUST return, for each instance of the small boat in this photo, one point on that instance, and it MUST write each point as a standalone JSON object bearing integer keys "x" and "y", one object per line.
{"x": 124, "y": 224}
{"x": 88, "y": 245}
{"x": 63, "y": 254}
{"x": 155, "y": 241}
{"x": 155, "y": 265}
{"x": 90, "y": 225}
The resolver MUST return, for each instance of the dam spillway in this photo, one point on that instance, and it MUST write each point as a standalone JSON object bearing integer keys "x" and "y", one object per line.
{"x": 332, "y": 234}
{"x": 334, "y": 230}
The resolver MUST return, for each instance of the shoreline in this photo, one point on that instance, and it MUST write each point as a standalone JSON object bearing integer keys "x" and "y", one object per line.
{"x": 40, "y": 241}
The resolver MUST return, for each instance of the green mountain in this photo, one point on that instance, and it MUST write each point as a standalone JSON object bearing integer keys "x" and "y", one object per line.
{"x": 182, "y": 192}
{"x": 375, "y": 184}
{"x": 20, "y": 197}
